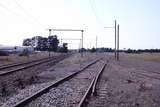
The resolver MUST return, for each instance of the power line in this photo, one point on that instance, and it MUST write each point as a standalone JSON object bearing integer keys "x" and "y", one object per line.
{"x": 65, "y": 30}
{"x": 16, "y": 14}
{"x": 93, "y": 8}
{"x": 70, "y": 39}
{"x": 9, "y": 10}
{"x": 24, "y": 10}
{"x": 27, "y": 13}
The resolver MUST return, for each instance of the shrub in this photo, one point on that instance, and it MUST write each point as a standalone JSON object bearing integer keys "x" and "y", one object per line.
{"x": 25, "y": 52}
{"x": 3, "y": 53}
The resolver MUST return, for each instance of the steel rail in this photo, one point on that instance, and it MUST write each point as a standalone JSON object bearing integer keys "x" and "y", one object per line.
{"x": 91, "y": 89}
{"x": 97, "y": 78}
{"x": 31, "y": 65}
{"x": 18, "y": 64}
{"x": 21, "y": 68}
{"x": 149, "y": 76}
{"x": 54, "y": 84}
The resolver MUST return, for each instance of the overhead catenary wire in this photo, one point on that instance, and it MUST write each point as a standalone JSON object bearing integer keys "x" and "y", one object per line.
{"x": 93, "y": 8}
{"x": 9, "y": 10}
{"x": 18, "y": 15}
{"x": 94, "y": 11}
{"x": 27, "y": 13}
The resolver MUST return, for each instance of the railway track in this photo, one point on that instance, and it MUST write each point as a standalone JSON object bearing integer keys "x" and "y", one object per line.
{"x": 92, "y": 88}
{"x": 69, "y": 78}
{"x": 2, "y": 67}
{"x": 17, "y": 67}
{"x": 148, "y": 74}
{"x": 152, "y": 75}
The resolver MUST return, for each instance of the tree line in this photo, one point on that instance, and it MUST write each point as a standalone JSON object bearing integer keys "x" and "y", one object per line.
{"x": 142, "y": 51}
{"x": 138, "y": 51}
{"x": 50, "y": 43}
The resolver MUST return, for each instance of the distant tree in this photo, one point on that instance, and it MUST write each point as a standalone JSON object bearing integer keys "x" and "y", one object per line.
{"x": 36, "y": 42}
{"x": 82, "y": 50}
{"x": 31, "y": 41}
{"x": 25, "y": 52}
{"x": 27, "y": 42}
{"x": 4, "y": 53}
{"x": 53, "y": 43}
{"x": 63, "y": 48}
{"x": 93, "y": 50}
{"x": 42, "y": 43}
{"x": 129, "y": 51}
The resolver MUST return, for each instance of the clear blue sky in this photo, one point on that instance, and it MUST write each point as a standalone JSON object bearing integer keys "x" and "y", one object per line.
{"x": 138, "y": 19}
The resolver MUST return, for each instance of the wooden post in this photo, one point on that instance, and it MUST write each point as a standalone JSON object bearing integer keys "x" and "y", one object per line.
{"x": 49, "y": 43}
{"x": 118, "y": 42}
{"x": 96, "y": 44}
{"x": 115, "y": 40}
{"x": 82, "y": 44}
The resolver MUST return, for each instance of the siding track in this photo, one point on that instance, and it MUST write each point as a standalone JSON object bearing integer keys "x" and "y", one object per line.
{"x": 55, "y": 84}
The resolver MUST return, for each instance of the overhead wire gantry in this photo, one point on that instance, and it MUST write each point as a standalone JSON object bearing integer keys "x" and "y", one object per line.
{"x": 76, "y": 30}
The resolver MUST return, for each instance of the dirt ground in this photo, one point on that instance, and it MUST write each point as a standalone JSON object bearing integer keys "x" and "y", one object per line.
{"x": 133, "y": 81}
{"x": 122, "y": 85}
{"x": 155, "y": 57}
{"x": 15, "y": 58}
{"x": 49, "y": 74}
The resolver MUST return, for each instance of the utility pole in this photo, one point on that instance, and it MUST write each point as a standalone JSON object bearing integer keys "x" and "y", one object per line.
{"x": 118, "y": 42}
{"x": 115, "y": 40}
{"x": 61, "y": 41}
{"x": 82, "y": 44}
{"x": 96, "y": 44}
{"x": 49, "y": 43}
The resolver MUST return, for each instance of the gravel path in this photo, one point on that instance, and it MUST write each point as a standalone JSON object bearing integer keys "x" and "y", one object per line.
{"x": 69, "y": 93}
